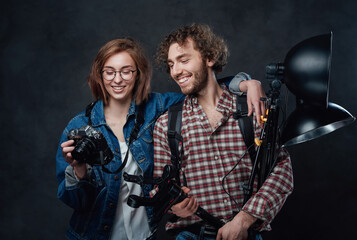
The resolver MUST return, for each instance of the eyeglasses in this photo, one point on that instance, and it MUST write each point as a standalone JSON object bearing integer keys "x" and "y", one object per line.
{"x": 109, "y": 74}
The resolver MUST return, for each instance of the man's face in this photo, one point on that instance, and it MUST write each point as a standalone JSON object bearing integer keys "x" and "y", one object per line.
{"x": 187, "y": 67}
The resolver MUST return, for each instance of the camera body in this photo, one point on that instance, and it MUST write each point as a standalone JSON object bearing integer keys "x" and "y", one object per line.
{"x": 90, "y": 146}
{"x": 168, "y": 194}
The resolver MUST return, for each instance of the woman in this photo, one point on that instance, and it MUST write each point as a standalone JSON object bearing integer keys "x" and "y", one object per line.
{"x": 120, "y": 81}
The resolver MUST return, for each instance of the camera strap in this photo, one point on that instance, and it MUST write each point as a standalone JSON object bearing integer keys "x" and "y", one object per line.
{"x": 89, "y": 112}
{"x": 139, "y": 120}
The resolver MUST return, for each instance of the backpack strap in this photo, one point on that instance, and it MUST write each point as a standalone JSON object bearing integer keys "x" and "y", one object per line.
{"x": 174, "y": 135}
{"x": 245, "y": 124}
{"x": 139, "y": 121}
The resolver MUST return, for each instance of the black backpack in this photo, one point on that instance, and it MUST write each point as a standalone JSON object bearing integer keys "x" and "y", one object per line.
{"x": 174, "y": 131}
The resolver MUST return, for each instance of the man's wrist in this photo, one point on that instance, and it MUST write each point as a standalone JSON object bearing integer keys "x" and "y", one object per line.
{"x": 245, "y": 219}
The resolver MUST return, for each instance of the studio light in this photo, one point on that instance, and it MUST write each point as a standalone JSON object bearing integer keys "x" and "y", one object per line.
{"x": 306, "y": 73}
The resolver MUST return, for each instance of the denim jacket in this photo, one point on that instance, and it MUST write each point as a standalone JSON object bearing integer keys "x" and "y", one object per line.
{"x": 95, "y": 198}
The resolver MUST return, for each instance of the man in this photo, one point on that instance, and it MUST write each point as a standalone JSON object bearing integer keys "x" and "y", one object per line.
{"x": 212, "y": 144}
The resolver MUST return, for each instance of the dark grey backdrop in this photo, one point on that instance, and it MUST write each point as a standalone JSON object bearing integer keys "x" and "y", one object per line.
{"x": 46, "y": 49}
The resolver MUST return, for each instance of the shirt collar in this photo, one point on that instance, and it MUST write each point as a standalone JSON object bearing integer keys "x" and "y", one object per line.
{"x": 226, "y": 102}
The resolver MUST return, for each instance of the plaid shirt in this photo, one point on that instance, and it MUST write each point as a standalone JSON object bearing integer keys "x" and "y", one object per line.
{"x": 209, "y": 154}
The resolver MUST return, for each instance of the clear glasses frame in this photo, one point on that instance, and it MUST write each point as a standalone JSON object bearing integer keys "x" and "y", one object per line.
{"x": 110, "y": 74}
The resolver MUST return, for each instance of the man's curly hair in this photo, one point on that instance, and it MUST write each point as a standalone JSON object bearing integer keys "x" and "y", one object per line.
{"x": 211, "y": 46}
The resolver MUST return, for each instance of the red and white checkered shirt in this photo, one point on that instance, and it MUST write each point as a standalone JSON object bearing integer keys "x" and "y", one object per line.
{"x": 209, "y": 155}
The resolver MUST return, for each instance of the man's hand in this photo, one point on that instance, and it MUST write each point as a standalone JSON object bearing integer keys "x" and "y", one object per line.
{"x": 187, "y": 207}
{"x": 80, "y": 169}
{"x": 255, "y": 93}
{"x": 237, "y": 229}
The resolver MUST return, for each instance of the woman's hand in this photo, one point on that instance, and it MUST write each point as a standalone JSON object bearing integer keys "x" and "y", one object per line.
{"x": 255, "y": 93}
{"x": 80, "y": 169}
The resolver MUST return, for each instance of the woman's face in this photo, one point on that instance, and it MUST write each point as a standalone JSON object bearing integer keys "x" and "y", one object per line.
{"x": 123, "y": 67}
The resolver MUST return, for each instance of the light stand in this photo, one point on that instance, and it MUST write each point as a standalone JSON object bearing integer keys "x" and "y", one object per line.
{"x": 306, "y": 72}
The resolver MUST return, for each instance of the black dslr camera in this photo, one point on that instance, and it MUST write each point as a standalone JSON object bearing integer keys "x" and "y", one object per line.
{"x": 90, "y": 146}
{"x": 168, "y": 193}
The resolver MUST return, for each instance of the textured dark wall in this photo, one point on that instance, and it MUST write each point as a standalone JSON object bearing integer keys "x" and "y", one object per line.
{"x": 46, "y": 49}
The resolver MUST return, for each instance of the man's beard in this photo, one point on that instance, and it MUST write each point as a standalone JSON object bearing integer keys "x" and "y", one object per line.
{"x": 200, "y": 81}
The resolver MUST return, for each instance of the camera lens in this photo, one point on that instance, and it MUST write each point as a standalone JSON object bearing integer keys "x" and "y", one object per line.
{"x": 83, "y": 150}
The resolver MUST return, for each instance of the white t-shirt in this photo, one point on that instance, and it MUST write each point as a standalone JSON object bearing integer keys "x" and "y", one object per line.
{"x": 130, "y": 223}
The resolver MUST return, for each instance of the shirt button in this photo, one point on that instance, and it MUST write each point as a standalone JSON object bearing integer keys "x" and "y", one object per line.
{"x": 106, "y": 228}
{"x": 225, "y": 200}
{"x": 116, "y": 177}
{"x": 117, "y": 150}
{"x": 216, "y": 157}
